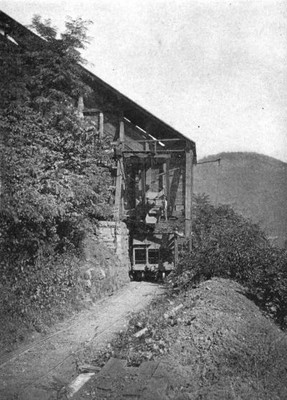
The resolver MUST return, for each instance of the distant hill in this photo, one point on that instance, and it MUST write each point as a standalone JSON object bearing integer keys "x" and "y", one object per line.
{"x": 253, "y": 184}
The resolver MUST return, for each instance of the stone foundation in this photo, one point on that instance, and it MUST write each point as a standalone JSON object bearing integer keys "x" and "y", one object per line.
{"x": 106, "y": 260}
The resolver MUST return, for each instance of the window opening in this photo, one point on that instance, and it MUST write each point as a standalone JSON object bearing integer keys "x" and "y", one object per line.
{"x": 153, "y": 256}
{"x": 140, "y": 256}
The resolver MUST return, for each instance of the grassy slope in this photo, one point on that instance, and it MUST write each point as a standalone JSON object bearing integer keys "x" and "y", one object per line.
{"x": 253, "y": 184}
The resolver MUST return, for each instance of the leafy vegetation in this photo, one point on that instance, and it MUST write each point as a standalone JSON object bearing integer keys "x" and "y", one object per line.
{"x": 229, "y": 246}
{"x": 54, "y": 179}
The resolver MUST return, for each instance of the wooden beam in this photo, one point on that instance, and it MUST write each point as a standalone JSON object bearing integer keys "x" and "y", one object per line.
{"x": 188, "y": 192}
{"x": 118, "y": 195}
{"x": 119, "y": 178}
{"x": 143, "y": 178}
{"x": 145, "y": 156}
{"x": 95, "y": 111}
{"x": 167, "y": 183}
{"x": 148, "y": 175}
{"x": 101, "y": 125}
{"x": 122, "y": 131}
{"x": 157, "y": 140}
{"x": 81, "y": 106}
{"x": 151, "y": 152}
{"x": 175, "y": 250}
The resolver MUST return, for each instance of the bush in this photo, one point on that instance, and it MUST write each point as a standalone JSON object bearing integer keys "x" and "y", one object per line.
{"x": 34, "y": 296}
{"x": 229, "y": 246}
{"x": 55, "y": 178}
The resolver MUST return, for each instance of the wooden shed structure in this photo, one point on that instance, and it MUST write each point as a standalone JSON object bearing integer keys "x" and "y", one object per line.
{"x": 154, "y": 175}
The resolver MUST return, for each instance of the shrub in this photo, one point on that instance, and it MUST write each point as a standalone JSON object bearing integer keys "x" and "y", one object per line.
{"x": 229, "y": 246}
{"x": 54, "y": 176}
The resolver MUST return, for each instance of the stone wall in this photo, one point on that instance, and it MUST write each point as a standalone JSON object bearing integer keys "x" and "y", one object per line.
{"x": 106, "y": 260}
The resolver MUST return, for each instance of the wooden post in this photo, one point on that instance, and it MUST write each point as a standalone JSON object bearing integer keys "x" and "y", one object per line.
{"x": 122, "y": 130}
{"x": 118, "y": 195}
{"x": 143, "y": 179}
{"x": 101, "y": 125}
{"x": 81, "y": 106}
{"x": 167, "y": 186}
{"x": 188, "y": 192}
{"x": 175, "y": 250}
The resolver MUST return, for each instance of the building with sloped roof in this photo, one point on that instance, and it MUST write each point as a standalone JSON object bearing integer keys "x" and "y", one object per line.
{"x": 153, "y": 180}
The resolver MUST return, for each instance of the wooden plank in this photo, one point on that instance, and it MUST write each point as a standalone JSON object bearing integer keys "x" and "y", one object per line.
{"x": 91, "y": 111}
{"x": 101, "y": 125}
{"x": 143, "y": 177}
{"x": 158, "y": 151}
{"x": 167, "y": 183}
{"x": 122, "y": 131}
{"x": 140, "y": 155}
{"x": 148, "y": 176}
{"x": 176, "y": 183}
{"x": 158, "y": 140}
{"x": 188, "y": 191}
{"x": 118, "y": 195}
{"x": 81, "y": 106}
{"x": 175, "y": 250}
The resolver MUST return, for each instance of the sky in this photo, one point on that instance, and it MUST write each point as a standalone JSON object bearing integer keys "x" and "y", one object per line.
{"x": 215, "y": 70}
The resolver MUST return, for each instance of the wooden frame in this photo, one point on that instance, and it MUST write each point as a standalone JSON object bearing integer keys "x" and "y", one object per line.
{"x": 188, "y": 191}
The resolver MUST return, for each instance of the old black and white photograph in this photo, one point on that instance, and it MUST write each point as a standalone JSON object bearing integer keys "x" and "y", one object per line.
{"x": 143, "y": 200}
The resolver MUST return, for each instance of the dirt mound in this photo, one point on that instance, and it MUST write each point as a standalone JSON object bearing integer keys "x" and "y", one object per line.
{"x": 216, "y": 342}
{"x": 224, "y": 348}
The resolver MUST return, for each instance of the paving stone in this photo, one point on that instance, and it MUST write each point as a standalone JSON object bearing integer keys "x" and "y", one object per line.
{"x": 147, "y": 369}
{"x": 134, "y": 389}
{"x": 159, "y": 384}
{"x": 114, "y": 367}
{"x": 161, "y": 371}
{"x": 110, "y": 374}
{"x": 105, "y": 384}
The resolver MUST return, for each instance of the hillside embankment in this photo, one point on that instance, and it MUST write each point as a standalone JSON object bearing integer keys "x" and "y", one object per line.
{"x": 212, "y": 341}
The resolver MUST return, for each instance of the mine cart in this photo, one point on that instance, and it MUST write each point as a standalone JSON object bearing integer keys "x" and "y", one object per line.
{"x": 152, "y": 257}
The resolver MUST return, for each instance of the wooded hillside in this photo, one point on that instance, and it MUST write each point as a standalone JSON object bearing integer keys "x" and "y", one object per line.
{"x": 253, "y": 184}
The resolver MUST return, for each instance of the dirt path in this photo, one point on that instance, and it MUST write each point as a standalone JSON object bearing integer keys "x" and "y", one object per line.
{"x": 29, "y": 372}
